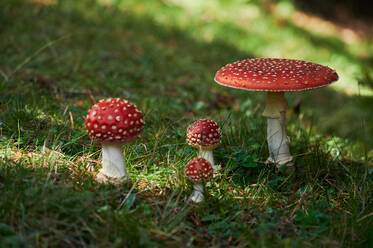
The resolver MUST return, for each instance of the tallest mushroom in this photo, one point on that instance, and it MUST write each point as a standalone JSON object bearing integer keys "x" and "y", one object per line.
{"x": 276, "y": 76}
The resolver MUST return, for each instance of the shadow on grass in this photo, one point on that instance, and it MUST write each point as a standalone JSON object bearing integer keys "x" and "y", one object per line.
{"x": 39, "y": 206}
{"x": 114, "y": 53}
{"x": 332, "y": 44}
{"x": 348, "y": 117}
{"x": 165, "y": 71}
{"x": 332, "y": 9}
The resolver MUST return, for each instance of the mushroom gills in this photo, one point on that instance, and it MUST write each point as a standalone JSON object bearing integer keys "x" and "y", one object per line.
{"x": 276, "y": 76}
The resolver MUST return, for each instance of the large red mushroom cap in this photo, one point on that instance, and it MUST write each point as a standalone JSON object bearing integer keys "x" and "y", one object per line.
{"x": 273, "y": 74}
{"x": 114, "y": 121}
{"x": 199, "y": 170}
{"x": 204, "y": 133}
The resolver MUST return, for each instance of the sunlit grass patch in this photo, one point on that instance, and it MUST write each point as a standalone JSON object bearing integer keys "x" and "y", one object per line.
{"x": 58, "y": 59}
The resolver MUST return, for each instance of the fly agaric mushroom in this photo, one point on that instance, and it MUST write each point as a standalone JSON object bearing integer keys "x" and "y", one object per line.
{"x": 113, "y": 122}
{"x": 198, "y": 170}
{"x": 204, "y": 134}
{"x": 276, "y": 76}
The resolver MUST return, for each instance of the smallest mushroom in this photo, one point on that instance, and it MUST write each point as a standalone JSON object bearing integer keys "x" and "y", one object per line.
{"x": 198, "y": 170}
{"x": 205, "y": 135}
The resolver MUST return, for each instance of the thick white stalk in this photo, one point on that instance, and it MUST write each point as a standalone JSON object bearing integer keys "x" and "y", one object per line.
{"x": 113, "y": 166}
{"x": 208, "y": 155}
{"x": 197, "y": 194}
{"x": 278, "y": 143}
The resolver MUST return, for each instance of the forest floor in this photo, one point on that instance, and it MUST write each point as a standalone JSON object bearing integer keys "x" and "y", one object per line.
{"x": 59, "y": 57}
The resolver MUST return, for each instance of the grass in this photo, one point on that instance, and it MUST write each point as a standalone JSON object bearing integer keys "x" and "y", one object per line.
{"x": 59, "y": 57}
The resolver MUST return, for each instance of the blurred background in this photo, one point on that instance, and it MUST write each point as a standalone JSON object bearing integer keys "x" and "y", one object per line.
{"x": 172, "y": 48}
{"x": 58, "y": 57}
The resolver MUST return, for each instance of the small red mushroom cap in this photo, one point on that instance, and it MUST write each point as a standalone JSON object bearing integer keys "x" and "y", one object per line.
{"x": 199, "y": 170}
{"x": 273, "y": 74}
{"x": 114, "y": 120}
{"x": 204, "y": 133}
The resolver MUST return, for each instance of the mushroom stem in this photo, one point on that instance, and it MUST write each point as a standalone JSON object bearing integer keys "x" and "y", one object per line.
{"x": 278, "y": 142}
{"x": 113, "y": 166}
{"x": 197, "y": 194}
{"x": 208, "y": 155}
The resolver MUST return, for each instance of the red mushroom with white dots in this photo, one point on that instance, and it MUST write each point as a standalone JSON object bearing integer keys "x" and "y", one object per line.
{"x": 113, "y": 122}
{"x": 199, "y": 171}
{"x": 205, "y": 135}
{"x": 276, "y": 76}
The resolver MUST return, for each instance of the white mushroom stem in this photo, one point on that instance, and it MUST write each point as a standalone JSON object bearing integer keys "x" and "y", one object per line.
{"x": 113, "y": 165}
{"x": 197, "y": 194}
{"x": 208, "y": 155}
{"x": 278, "y": 142}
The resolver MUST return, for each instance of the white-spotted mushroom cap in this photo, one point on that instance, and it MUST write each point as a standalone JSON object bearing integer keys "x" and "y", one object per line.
{"x": 199, "y": 170}
{"x": 273, "y": 74}
{"x": 204, "y": 134}
{"x": 114, "y": 120}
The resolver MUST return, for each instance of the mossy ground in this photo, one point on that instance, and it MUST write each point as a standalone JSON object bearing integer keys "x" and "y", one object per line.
{"x": 58, "y": 57}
